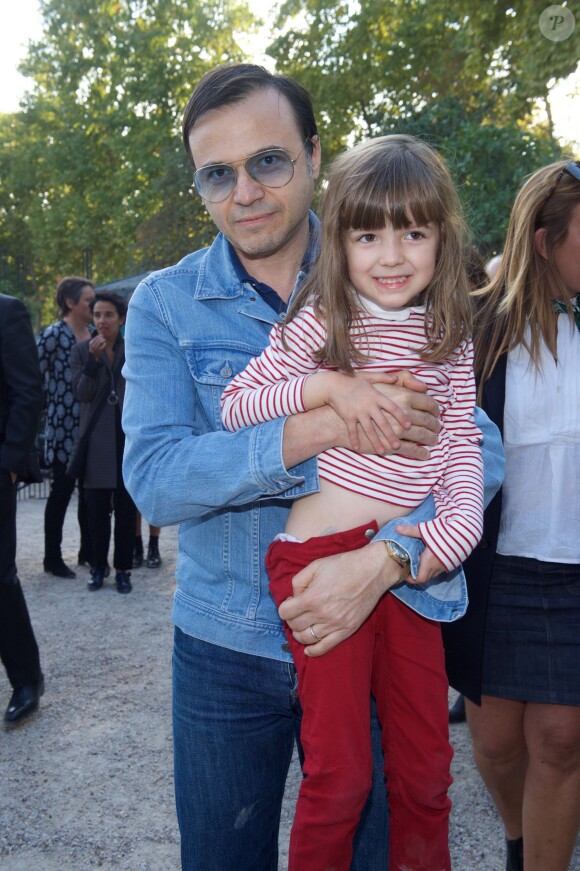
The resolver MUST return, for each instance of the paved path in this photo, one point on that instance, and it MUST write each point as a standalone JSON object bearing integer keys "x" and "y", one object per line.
{"x": 87, "y": 783}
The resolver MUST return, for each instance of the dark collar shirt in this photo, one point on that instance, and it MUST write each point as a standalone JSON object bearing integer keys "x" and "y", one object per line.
{"x": 267, "y": 293}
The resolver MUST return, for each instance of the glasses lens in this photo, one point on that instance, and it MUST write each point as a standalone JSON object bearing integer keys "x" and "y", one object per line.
{"x": 272, "y": 168}
{"x": 573, "y": 169}
{"x": 215, "y": 183}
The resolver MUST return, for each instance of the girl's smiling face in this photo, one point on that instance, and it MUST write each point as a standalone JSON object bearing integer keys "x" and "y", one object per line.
{"x": 392, "y": 267}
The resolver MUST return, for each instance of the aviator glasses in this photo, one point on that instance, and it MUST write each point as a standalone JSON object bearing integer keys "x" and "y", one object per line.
{"x": 272, "y": 168}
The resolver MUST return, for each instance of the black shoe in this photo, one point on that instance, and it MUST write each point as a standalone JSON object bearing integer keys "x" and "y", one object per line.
{"x": 138, "y": 553}
{"x": 457, "y": 710}
{"x": 58, "y": 568}
{"x": 96, "y": 581}
{"x": 24, "y": 702}
{"x": 123, "y": 581}
{"x": 153, "y": 556}
{"x": 515, "y": 855}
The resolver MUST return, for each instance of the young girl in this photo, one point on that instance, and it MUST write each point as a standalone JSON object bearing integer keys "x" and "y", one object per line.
{"x": 388, "y": 292}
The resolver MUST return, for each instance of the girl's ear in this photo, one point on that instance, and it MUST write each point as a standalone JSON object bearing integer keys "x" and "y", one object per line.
{"x": 540, "y": 242}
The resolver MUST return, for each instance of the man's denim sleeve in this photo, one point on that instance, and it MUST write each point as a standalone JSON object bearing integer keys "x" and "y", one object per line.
{"x": 176, "y": 467}
{"x": 493, "y": 468}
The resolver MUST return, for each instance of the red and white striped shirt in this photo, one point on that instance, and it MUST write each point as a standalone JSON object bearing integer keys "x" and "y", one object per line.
{"x": 271, "y": 386}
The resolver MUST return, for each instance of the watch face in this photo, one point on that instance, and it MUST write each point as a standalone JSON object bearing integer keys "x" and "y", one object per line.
{"x": 399, "y": 551}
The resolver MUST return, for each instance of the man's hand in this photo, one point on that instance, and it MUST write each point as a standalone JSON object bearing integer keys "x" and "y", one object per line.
{"x": 410, "y": 394}
{"x": 336, "y": 594}
{"x": 308, "y": 434}
{"x": 359, "y": 405}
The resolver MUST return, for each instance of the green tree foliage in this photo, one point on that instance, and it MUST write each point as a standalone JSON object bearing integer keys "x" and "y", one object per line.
{"x": 94, "y": 159}
{"x": 488, "y": 162}
{"x": 387, "y": 59}
{"x": 466, "y": 75}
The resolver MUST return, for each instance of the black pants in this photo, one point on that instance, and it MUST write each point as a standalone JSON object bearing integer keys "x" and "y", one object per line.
{"x": 54, "y": 514}
{"x": 100, "y": 505}
{"x": 18, "y": 647}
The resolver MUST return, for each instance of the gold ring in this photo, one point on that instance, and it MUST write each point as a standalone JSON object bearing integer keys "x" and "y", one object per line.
{"x": 313, "y": 633}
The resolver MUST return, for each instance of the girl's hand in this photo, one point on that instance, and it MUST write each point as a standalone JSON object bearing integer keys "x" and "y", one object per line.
{"x": 429, "y": 565}
{"x": 358, "y": 400}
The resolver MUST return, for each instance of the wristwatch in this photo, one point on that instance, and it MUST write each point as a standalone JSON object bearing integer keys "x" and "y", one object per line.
{"x": 398, "y": 553}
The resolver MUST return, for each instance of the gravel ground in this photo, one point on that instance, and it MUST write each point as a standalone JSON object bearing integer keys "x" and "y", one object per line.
{"x": 87, "y": 782}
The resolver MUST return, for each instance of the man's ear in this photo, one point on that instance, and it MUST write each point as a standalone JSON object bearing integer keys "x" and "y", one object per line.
{"x": 316, "y": 156}
{"x": 540, "y": 241}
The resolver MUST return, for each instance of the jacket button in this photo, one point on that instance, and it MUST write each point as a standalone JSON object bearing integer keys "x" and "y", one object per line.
{"x": 286, "y": 647}
{"x": 226, "y": 372}
{"x": 370, "y": 533}
{"x": 484, "y": 543}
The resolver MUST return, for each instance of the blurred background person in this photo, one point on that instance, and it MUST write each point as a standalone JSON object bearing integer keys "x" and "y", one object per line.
{"x": 516, "y": 653}
{"x": 20, "y": 405}
{"x": 74, "y": 296}
{"x": 153, "y": 560}
{"x": 492, "y": 266}
{"x": 99, "y": 386}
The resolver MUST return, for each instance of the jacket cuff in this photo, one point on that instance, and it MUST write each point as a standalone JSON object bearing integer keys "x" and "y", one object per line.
{"x": 268, "y": 465}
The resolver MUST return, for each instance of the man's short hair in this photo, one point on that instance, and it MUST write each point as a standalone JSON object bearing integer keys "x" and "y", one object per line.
{"x": 232, "y": 83}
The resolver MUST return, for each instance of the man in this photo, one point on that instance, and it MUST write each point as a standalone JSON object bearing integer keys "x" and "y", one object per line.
{"x": 20, "y": 404}
{"x": 253, "y": 140}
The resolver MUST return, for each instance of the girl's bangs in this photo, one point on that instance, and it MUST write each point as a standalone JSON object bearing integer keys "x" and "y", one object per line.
{"x": 400, "y": 195}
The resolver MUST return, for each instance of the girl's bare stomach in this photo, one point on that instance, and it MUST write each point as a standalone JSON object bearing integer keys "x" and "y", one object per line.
{"x": 334, "y": 509}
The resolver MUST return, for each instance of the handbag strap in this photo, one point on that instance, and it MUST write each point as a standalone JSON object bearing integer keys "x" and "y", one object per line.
{"x": 96, "y": 414}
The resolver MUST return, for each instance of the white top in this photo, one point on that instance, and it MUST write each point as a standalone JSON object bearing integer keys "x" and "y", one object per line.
{"x": 540, "y": 515}
{"x": 272, "y": 386}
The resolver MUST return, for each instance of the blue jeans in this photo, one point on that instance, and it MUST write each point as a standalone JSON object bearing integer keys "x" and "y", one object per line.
{"x": 235, "y": 719}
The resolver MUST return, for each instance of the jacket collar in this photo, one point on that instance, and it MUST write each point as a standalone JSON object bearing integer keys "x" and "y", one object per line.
{"x": 218, "y": 278}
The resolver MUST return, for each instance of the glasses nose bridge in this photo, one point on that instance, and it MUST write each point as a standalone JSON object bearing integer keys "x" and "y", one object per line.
{"x": 237, "y": 163}
{"x": 243, "y": 178}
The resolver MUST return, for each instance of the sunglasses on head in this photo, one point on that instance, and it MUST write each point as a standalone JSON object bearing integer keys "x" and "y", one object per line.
{"x": 572, "y": 168}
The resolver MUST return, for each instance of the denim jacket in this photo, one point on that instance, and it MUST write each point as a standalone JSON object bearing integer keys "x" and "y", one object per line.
{"x": 190, "y": 329}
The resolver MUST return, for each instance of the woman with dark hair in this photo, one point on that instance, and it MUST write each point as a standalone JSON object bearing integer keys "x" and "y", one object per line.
{"x": 100, "y": 387}
{"x": 516, "y": 654}
{"x": 74, "y": 296}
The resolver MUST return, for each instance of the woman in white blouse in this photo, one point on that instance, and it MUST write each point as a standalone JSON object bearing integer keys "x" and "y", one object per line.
{"x": 516, "y": 655}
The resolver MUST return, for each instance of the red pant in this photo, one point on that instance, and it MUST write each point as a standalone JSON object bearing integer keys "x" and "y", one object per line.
{"x": 398, "y": 656}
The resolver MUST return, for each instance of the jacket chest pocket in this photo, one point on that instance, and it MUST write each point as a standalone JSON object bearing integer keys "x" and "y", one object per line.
{"x": 212, "y": 367}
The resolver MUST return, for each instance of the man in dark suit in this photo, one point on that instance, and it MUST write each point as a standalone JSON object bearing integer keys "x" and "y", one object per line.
{"x": 20, "y": 405}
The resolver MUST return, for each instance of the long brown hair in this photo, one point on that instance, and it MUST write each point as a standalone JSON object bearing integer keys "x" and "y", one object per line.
{"x": 393, "y": 180}
{"x": 522, "y": 290}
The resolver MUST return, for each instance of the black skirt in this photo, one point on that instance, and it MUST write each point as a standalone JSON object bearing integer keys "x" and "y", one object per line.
{"x": 532, "y": 634}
